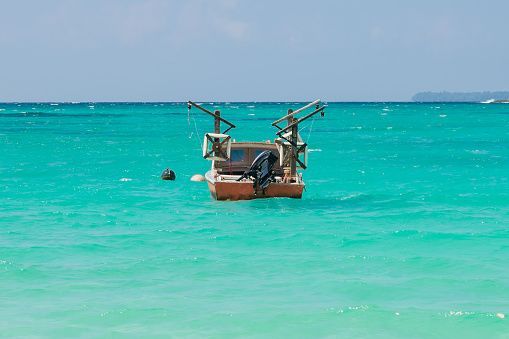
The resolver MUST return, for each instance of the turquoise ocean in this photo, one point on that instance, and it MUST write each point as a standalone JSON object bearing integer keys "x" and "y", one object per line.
{"x": 402, "y": 232}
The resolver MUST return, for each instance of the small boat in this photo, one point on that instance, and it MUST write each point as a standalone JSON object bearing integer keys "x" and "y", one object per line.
{"x": 493, "y": 101}
{"x": 251, "y": 170}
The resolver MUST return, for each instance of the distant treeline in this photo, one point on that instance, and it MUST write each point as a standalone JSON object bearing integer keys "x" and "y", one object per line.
{"x": 459, "y": 96}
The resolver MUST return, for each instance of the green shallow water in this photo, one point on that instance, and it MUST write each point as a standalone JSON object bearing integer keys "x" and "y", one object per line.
{"x": 403, "y": 230}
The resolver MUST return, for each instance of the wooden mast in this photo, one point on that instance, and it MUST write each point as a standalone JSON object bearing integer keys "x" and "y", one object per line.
{"x": 290, "y": 133}
{"x": 316, "y": 102}
{"x": 294, "y": 138}
{"x": 215, "y": 138}
{"x": 214, "y": 115}
{"x": 217, "y": 130}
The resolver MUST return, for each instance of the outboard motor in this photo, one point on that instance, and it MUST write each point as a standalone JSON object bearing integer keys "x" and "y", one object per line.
{"x": 261, "y": 170}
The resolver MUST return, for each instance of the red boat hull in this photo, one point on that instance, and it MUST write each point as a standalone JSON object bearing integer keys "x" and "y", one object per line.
{"x": 228, "y": 190}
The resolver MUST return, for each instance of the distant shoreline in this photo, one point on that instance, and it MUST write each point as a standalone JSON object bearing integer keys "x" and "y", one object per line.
{"x": 479, "y": 97}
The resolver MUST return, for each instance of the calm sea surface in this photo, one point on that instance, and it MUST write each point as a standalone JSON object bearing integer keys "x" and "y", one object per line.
{"x": 403, "y": 230}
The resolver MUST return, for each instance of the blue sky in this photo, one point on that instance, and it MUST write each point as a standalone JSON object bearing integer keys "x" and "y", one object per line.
{"x": 227, "y": 50}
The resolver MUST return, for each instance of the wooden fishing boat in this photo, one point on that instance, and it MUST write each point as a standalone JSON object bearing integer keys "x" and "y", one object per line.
{"x": 250, "y": 170}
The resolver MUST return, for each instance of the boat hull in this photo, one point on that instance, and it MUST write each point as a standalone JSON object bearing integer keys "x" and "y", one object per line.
{"x": 234, "y": 190}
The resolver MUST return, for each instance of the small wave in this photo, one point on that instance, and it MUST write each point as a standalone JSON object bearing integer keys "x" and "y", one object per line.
{"x": 315, "y": 150}
{"x": 477, "y": 151}
{"x": 125, "y": 179}
{"x": 57, "y": 163}
{"x": 443, "y": 115}
{"x": 251, "y": 106}
{"x": 353, "y": 196}
{"x": 251, "y": 114}
{"x": 458, "y": 313}
{"x": 53, "y": 104}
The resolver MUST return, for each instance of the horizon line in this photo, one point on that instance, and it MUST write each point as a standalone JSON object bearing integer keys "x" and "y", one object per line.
{"x": 224, "y": 102}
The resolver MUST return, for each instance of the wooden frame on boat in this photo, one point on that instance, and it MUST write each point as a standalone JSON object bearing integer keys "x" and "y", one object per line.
{"x": 232, "y": 176}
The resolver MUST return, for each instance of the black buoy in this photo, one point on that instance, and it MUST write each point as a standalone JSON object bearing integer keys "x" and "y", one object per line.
{"x": 168, "y": 174}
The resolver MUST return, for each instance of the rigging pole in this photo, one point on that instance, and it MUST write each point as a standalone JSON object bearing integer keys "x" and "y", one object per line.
{"x": 217, "y": 130}
{"x": 294, "y": 137}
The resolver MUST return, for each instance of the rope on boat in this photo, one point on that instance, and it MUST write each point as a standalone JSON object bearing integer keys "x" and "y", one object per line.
{"x": 200, "y": 142}
{"x": 310, "y": 129}
{"x": 189, "y": 123}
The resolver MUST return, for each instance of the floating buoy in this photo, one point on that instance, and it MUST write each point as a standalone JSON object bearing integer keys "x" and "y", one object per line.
{"x": 168, "y": 174}
{"x": 197, "y": 177}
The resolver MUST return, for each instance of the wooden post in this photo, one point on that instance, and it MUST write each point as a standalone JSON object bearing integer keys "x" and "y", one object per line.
{"x": 316, "y": 102}
{"x": 217, "y": 122}
{"x": 217, "y": 130}
{"x": 295, "y": 131}
{"x": 190, "y": 103}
